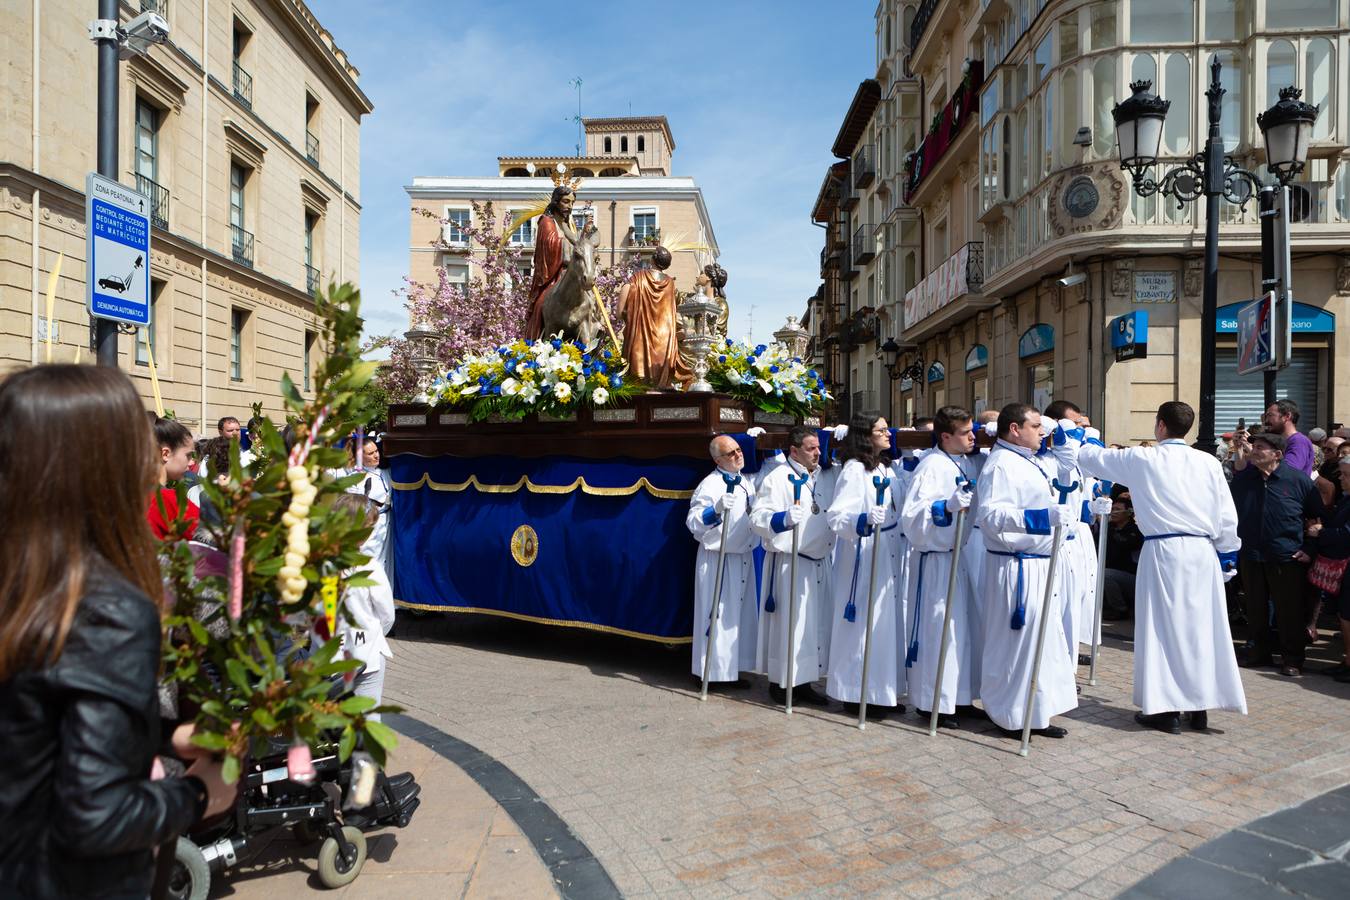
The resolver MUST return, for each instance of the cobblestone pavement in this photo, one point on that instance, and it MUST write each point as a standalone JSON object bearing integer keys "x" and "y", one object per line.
{"x": 730, "y": 797}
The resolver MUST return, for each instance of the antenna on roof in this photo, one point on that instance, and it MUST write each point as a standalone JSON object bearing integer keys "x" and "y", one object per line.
{"x": 576, "y": 83}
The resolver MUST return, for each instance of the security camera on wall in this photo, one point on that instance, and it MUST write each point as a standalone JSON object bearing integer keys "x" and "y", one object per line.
{"x": 1073, "y": 280}
{"x": 146, "y": 29}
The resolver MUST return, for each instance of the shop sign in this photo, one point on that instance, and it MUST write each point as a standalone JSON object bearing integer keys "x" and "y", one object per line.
{"x": 1036, "y": 339}
{"x": 936, "y": 372}
{"x": 977, "y": 358}
{"x": 1129, "y": 335}
{"x": 1155, "y": 287}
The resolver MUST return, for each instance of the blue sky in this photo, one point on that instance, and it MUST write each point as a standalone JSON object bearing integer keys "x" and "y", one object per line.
{"x": 755, "y": 91}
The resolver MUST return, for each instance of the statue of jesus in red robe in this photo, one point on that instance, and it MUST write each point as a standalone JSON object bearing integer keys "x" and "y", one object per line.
{"x": 554, "y": 242}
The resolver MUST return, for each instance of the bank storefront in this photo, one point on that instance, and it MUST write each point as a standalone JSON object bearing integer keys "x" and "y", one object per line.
{"x": 1308, "y": 380}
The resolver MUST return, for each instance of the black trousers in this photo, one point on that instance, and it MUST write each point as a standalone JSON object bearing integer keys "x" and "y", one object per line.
{"x": 1277, "y": 584}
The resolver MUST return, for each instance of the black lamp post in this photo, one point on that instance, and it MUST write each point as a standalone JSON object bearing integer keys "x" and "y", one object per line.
{"x": 1210, "y": 174}
{"x": 890, "y": 355}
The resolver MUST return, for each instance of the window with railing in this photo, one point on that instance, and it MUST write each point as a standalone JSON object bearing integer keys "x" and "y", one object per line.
{"x": 644, "y": 226}
{"x": 242, "y": 81}
{"x": 456, "y": 231}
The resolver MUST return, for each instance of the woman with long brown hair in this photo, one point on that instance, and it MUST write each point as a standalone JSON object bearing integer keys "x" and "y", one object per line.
{"x": 80, "y": 644}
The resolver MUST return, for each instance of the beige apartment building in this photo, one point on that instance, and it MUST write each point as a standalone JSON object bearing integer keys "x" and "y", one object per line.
{"x": 627, "y": 191}
{"x": 244, "y": 132}
{"x": 979, "y": 168}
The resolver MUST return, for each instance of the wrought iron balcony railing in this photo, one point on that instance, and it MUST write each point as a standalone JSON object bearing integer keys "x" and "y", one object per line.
{"x": 864, "y": 245}
{"x": 243, "y": 85}
{"x": 311, "y": 279}
{"x": 864, "y": 166}
{"x": 156, "y": 6}
{"x": 312, "y": 147}
{"x": 241, "y": 246}
{"x": 921, "y": 20}
{"x": 159, "y": 201}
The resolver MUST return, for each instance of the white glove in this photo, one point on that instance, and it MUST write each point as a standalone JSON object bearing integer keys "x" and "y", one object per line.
{"x": 1091, "y": 434}
{"x": 840, "y": 432}
{"x": 991, "y": 429}
{"x": 723, "y": 502}
{"x": 876, "y": 516}
{"x": 796, "y": 515}
{"x": 1228, "y": 575}
{"x": 1101, "y": 506}
{"x": 754, "y": 431}
{"x": 1062, "y": 514}
{"x": 960, "y": 500}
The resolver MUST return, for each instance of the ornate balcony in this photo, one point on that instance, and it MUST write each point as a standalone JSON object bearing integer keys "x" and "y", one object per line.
{"x": 243, "y": 85}
{"x": 241, "y": 246}
{"x": 312, "y": 147}
{"x": 864, "y": 245}
{"x": 962, "y": 108}
{"x": 311, "y": 279}
{"x": 159, "y": 201}
{"x": 864, "y": 166}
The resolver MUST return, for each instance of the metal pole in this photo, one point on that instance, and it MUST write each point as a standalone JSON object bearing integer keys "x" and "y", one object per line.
{"x": 1268, "y": 214}
{"x": 880, "y": 483}
{"x": 105, "y": 331}
{"x": 1045, "y": 613}
{"x": 792, "y": 597}
{"x": 1213, "y": 190}
{"x": 947, "y": 619}
{"x": 1103, "y": 526}
{"x": 717, "y": 590}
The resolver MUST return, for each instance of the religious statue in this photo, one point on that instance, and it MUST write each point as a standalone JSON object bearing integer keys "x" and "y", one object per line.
{"x": 650, "y": 343}
{"x": 717, "y": 281}
{"x": 555, "y": 244}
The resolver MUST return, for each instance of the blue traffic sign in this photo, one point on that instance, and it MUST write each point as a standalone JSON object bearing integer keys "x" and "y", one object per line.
{"x": 117, "y": 251}
{"x": 1255, "y": 349}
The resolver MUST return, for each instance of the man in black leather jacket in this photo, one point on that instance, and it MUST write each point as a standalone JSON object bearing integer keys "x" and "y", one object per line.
{"x": 81, "y": 815}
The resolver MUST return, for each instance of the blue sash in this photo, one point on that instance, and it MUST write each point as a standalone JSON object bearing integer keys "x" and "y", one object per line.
{"x": 1019, "y": 616}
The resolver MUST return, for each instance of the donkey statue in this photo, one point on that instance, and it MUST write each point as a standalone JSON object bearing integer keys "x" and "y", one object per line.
{"x": 569, "y": 306}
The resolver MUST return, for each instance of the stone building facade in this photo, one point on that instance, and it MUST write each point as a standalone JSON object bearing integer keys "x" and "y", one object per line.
{"x": 244, "y": 133}
{"x": 997, "y": 177}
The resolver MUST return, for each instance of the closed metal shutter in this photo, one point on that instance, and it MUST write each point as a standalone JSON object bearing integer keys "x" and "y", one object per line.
{"x": 1243, "y": 396}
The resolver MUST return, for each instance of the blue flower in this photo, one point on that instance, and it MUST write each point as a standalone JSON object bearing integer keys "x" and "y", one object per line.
{"x": 773, "y": 369}
{"x": 750, "y": 361}
{"x": 814, "y": 374}
{"x": 760, "y": 349}
{"x": 722, "y": 358}
{"x": 586, "y": 370}
{"x": 729, "y": 342}
{"x": 496, "y": 389}
{"x": 608, "y": 355}
{"x": 557, "y": 344}
{"x": 616, "y": 381}
{"x": 602, "y": 368}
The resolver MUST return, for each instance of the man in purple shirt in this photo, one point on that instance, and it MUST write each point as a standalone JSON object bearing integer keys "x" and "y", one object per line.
{"x": 1282, "y": 418}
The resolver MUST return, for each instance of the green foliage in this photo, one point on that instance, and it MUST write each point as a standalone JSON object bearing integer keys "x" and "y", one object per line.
{"x": 248, "y": 679}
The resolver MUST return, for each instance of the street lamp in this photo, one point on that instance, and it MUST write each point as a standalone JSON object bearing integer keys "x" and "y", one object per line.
{"x": 1139, "y": 119}
{"x": 890, "y": 356}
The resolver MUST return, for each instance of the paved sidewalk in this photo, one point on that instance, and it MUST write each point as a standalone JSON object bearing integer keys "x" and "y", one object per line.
{"x": 461, "y": 843}
{"x": 681, "y": 798}
{"x": 1303, "y": 851}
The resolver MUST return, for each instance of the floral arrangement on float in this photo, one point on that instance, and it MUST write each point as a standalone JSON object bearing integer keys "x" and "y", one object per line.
{"x": 768, "y": 376}
{"x": 549, "y": 376}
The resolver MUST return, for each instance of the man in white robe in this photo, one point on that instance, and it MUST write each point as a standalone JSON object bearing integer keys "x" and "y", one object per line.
{"x": 726, "y": 495}
{"x": 863, "y": 526}
{"x": 1080, "y": 552}
{"x": 940, "y": 489}
{"x": 779, "y": 510}
{"x": 1017, "y": 511}
{"x": 1183, "y": 650}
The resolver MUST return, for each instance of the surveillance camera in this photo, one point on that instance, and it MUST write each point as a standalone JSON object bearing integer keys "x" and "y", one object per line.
{"x": 1073, "y": 280}
{"x": 146, "y": 29}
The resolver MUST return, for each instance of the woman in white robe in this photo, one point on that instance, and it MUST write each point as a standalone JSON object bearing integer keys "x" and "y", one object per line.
{"x": 863, "y": 526}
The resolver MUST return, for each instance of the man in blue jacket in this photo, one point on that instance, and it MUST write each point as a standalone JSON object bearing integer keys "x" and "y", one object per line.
{"x": 1274, "y": 500}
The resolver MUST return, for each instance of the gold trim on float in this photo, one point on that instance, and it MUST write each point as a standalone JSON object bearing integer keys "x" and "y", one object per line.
{"x": 565, "y": 623}
{"x": 525, "y": 482}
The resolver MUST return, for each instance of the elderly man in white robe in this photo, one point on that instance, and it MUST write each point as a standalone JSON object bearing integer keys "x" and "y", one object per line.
{"x": 783, "y": 507}
{"x": 1017, "y": 511}
{"x": 725, "y": 496}
{"x": 941, "y": 488}
{"x": 863, "y": 522}
{"x": 1183, "y": 650}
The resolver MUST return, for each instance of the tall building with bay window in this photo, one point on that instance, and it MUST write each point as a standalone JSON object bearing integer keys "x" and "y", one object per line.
{"x": 626, "y": 191}
{"x": 1010, "y": 183}
{"x": 243, "y": 131}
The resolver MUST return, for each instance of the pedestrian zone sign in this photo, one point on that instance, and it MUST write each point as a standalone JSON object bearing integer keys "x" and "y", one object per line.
{"x": 1255, "y": 347}
{"x": 117, "y": 272}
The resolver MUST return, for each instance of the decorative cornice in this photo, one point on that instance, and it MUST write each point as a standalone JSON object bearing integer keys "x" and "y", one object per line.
{"x": 155, "y": 79}
{"x": 245, "y": 144}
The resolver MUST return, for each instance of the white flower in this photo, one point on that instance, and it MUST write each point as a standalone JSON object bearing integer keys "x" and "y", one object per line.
{"x": 458, "y": 377}
{"x": 600, "y": 396}
{"x": 510, "y": 387}
{"x": 768, "y": 388}
{"x": 563, "y": 391}
{"x": 529, "y": 392}
{"x": 470, "y": 390}
{"x": 581, "y": 383}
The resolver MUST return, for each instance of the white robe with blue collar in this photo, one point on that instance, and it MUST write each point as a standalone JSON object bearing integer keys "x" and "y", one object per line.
{"x": 736, "y": 636}
{"x": 1012, "y": 510}
{"x": 1183, "y": 649}
{"x": 854, "y": 495}
{"x": 815, "y": 541}
{"x": 931, "y": 530}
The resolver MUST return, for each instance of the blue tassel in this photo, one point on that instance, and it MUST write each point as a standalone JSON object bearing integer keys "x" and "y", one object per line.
{"x": 770, "y": 605}
{"x": 912, "y": 654}
{"x": 1019, "y": 617}
{"x": 850, "y": 612}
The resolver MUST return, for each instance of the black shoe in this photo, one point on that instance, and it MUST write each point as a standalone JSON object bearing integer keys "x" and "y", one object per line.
{"x": 403, "y": 779}
{"x": 1260, "y": 662}
{"x": 1049, "y": 731}
{"x": 1084, "y": 659}
{"x": 1342, "y": 679}
{"x": 1339, "y": 669}
{"x": 1168, "y": 722}
{"x": 971, "y": 711}
{"x": 944, "y": 720}
{"x": 874, "y": 713}
{"x": 804, "y": 693}
{"x": 777, "y": 694}
{"x": 740, "y": 684}
{"x": 1200, "y": 720}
